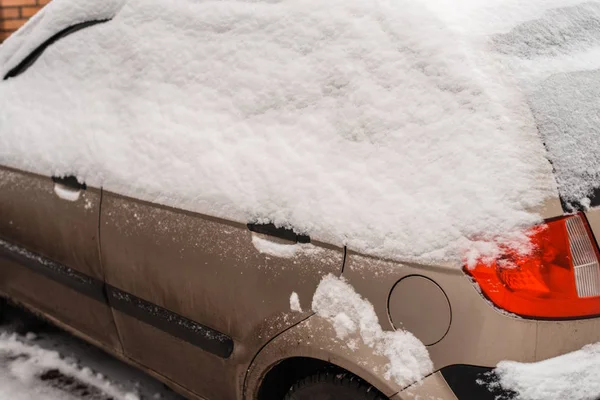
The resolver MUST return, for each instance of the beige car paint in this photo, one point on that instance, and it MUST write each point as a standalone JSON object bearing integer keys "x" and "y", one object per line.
{"x": 208, "y": 270}
{"x": 433, "y": 387}
{"x": 479, "y": 334}
{"x": 34, "y": 217}
{"x": 316, "y": 338}
{"x": 593, "y": 217}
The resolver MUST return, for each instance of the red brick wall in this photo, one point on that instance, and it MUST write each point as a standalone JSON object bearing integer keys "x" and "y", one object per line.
{"x": 14, "y": 13}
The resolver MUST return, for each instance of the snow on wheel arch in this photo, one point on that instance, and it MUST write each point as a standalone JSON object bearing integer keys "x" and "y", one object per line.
{"x": 354, "y": 318}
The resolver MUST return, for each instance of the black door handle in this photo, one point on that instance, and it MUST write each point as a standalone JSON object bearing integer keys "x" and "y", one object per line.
{"x": 70, "y": 182}
{"x": 282, "y": 233}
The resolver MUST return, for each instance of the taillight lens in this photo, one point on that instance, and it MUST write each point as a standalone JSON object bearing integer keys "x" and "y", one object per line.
{"x": 559, "y": 278}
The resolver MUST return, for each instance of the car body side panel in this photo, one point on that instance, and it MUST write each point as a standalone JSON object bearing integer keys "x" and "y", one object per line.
{"x": 206, "y": 271}
{"x": 50, "y": 229}
{"x": 432, "y": 387}
{"x": 475, "y": 335}
{"x": 593, "y": 217}
{"x": 479, "y": 334}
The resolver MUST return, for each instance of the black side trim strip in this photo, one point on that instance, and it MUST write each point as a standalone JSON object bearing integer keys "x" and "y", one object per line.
{"x": 282, "y": 233}
{"x": 82, "y": 283}
{"x": 37, "y": 53}
{"x": 169, "y": 322}
{"x": 470, "y": 382}
{"x": 192, "y": 332}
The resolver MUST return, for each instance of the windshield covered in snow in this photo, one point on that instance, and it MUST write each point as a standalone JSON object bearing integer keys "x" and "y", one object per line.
{"x": 557, "y": 56}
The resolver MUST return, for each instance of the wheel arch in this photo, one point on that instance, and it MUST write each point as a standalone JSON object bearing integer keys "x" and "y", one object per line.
{"x": 304, "y": 349}
{"x": 282, "y": 376}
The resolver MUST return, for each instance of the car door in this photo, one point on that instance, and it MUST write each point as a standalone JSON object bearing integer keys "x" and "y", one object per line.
{"x": 49, "y": 252}
{"x": 196, "y": 297}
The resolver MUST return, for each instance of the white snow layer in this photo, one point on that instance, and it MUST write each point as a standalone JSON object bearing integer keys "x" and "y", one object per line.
{"x": 269, "y": 247}
{"x": 23, "y": 364}
{"x": 66, "y": 193}
{"x": 295, "y": 302}
{"x": 557, "y": 57}
{"x": 385, "y": 125}
{"x": 53, "y": 18}
{"x": 573, "y": 376}
{"x": 352, "y": 315}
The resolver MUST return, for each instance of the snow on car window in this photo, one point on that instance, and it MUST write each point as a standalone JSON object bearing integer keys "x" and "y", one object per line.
{"x": 390, "y": 126}
{"x": 568, "y": 114}
{"x": 557, "y": 59}
{"x": 53, "y": 18}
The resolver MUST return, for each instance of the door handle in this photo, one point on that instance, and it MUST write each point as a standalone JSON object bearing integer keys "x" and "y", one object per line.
{"x": 70, "y": 182}
{"x": 68, "y": 187}
{"x": 282, "y": 233}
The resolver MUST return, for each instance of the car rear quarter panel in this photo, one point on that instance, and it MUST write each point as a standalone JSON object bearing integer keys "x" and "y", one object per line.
{"x": 479, "y": 334}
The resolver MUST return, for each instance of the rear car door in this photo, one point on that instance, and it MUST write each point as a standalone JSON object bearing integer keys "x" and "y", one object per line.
{"x": 49, "y": 252}
{"x": 196, "y": 297}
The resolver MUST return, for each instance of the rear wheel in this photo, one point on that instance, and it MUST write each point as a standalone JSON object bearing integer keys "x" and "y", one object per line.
{"x": 330, "y": 385}
{"x": 2, "y": 310}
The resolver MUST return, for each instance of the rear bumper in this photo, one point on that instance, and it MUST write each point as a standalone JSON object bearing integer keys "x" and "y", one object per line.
{"x": 456, "y": 382}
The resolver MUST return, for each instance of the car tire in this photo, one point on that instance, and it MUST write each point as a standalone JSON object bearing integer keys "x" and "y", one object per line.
{"x": 330, "y": 385}
{"x": 2, "y": 310}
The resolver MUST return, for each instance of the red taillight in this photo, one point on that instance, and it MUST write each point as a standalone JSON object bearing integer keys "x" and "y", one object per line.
{"x": 559, "y": 278}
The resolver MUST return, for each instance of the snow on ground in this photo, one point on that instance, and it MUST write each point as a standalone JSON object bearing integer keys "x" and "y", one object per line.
{"x": 354, "y": 318}
{"x": 574, "y": 376}
{"x": 52, "y": 365}
{"x": 384, "y": 125}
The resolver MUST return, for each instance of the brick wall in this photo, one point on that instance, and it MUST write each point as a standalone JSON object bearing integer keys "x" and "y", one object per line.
{"x": 14, "y": 13}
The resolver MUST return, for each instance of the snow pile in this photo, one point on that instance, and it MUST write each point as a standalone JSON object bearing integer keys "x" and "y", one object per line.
{"x": 383, "y": 125}
{"x": 23, "y": 365}
{"x": 353, "y": 316}
{"x": 573, "y": 376}
{"x": 295, "y": 302}
{"x": 269, "y": 246}
{"x": 66, "y": 193}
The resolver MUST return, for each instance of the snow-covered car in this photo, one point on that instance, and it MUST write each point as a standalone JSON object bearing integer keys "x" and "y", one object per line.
{"x": 307, "y": 199}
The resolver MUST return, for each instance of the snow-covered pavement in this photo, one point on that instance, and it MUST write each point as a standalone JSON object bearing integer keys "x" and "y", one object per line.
{"x": 48, "y": 364}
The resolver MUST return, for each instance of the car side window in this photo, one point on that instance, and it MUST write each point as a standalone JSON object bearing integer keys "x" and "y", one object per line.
{"x": 37, "y": 53}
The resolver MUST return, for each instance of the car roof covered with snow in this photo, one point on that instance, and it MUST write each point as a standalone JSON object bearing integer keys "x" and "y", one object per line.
{"x": 401, "y": 128}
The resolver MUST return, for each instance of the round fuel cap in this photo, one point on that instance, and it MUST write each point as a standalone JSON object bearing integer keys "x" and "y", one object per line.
{"x": 420, "y": 306}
